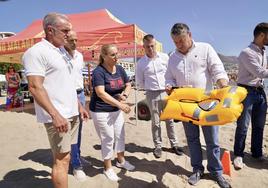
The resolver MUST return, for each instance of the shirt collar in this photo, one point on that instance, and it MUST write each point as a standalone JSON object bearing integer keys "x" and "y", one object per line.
{"x": 156, "y": 56}
{"x": 256, "y": 48}
{"x": 75, "y": 53}
{"x": 49, "y": 44}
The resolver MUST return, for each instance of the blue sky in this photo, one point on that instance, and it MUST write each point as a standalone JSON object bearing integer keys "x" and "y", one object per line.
{"x": 226, "y": 24}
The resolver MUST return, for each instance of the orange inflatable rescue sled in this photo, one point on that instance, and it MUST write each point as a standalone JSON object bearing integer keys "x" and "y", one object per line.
{"x": 216, "y": 107}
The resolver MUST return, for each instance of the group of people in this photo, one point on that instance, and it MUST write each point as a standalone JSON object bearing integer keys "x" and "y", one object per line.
{"x": 53, "y": 68}
{"x": 193, "y": 64}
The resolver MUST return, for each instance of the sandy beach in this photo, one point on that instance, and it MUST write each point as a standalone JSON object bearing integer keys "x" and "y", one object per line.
{"x": 25, "y": 157}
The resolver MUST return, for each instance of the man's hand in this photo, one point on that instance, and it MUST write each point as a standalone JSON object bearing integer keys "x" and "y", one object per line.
{"x": 222, "y": 83}
{"x": 168, "y": 89}
{"x": 83, "y": 113}
{"x": 60, "y": 123}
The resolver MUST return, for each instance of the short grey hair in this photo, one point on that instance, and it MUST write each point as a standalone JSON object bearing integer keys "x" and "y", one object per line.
{"x": 179, "y": 28}
{"x": 53, "y": 19}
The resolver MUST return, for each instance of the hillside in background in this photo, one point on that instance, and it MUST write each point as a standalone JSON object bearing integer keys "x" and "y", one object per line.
{"x": 230, "y": 63}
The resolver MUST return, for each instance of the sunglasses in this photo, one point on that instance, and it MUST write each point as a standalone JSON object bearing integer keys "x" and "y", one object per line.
{"x": 64, "y": 31}
{"x": 68, "y": 59}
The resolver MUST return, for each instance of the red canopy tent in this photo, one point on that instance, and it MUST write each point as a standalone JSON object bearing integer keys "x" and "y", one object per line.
{"x": 93, "y": 28}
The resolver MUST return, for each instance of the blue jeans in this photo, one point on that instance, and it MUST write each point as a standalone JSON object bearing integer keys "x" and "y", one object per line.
{"x": 255, "y": 107}
{"x": 75, "y": 148}
{"x": 211, "y": 134}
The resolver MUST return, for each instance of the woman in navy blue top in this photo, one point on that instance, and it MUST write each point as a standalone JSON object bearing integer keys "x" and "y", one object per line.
{"x": 111, "y": 88}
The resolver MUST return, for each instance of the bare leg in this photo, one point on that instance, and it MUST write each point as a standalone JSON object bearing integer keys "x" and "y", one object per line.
{"x": 121, "y": 157}
{"x": 60, "y": 170}
{"x": 107, "y": 164}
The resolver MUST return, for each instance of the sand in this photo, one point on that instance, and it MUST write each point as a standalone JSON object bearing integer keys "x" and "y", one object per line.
{"x": 25, "y": 157}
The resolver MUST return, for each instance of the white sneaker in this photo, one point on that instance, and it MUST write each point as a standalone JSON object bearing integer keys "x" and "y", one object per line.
{"x": 238, "y": 163}
{"x": 79, "y": 174}
{"x": 125, "y": 165}
{"x": 111, "y": 175}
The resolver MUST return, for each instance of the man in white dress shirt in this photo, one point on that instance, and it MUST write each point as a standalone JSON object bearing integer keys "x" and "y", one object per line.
{"x": 252, "y": 69}
{"x": 150, "y": 72}
{"x": 197, "y": 65}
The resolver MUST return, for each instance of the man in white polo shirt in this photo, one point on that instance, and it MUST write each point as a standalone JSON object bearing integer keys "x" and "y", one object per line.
{"x": 51, "y": 81}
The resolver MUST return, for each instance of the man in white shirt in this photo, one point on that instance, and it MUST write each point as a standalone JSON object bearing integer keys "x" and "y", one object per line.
{"x": 51, "y": 82}
{"x": 78, "y": 65}
{"x": 252, "y": 69}
{"x": 196, "y": 64}
{"x": 150, "y": 72}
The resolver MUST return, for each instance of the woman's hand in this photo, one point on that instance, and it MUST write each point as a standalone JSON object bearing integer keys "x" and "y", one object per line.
{"x": 124, "y": 107}
{"x": 121, "y": 97}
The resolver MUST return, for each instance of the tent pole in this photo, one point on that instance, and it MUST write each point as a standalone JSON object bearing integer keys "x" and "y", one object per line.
{"x": 89, "y": 79}
{"x": 136, "y": 88}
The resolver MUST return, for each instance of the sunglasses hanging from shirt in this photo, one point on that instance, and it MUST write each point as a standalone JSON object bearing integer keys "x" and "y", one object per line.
{"x": 68, "y": 59}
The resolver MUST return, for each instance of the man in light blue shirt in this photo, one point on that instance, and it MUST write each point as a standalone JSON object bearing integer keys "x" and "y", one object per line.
{"x": 150, "y": 72}
{"x": 196, "y": 64}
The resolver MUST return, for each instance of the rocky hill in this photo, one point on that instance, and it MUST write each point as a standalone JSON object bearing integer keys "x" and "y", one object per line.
{"x": 230, "y": 62}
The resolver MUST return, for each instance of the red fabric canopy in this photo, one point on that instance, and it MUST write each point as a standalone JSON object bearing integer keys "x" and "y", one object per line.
{"x": 93, "y": 28}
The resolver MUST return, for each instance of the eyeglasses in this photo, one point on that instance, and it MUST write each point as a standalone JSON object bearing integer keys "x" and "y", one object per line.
{"x": 64, "y": 31}
{"x": 68, "y": 59}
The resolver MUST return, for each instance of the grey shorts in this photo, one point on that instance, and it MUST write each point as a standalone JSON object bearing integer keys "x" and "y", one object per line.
{"x": 61, "y": 142}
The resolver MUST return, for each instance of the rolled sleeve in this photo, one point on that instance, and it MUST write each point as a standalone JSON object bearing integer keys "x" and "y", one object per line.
{"x": 216, "y": 67}
{"x": 170, "y": 80}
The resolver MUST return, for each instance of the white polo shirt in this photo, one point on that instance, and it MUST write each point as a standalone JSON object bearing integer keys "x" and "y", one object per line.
{"x": 44, "y": 59}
